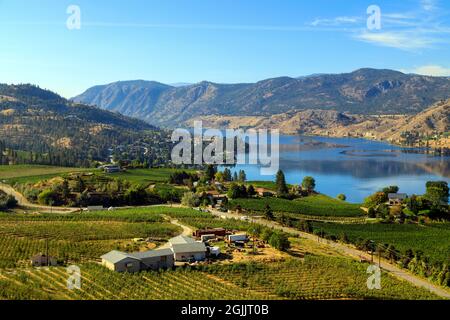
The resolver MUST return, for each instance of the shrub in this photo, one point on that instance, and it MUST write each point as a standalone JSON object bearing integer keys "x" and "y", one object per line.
{"x": 7, "y": 202}
{"x": 190, "y": 199}
{"x": 279, "y": 241}
{"x": 47, "y": 197}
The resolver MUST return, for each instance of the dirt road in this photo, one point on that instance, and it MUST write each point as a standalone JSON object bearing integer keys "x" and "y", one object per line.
{"x": 187, "y": 231}
{"x": 350, "y": 251}
{"x": 23, "y": 202}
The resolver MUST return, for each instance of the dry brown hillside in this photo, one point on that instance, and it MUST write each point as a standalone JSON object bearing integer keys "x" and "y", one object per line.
{"x": 432, "y": 125}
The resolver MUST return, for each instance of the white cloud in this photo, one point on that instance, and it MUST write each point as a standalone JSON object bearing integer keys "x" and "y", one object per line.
{"x": 430, "y": 70}
{"x": 336, "y": 21}
{"x": 409, "y": 41}
{"x": 428, "y": 5}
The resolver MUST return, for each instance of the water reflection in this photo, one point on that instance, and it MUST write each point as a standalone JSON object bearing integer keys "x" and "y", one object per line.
{"x": 356, "y": 167}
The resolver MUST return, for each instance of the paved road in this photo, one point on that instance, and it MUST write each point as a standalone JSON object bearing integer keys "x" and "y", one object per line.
{"x": 350, "y": 251}
{"x": 23, "y": 202}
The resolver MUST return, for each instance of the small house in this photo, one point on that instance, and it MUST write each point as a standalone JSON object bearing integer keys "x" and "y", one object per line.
{"x": 396, "y": 199}
{"x": 263, "y": 192}
{"x": 41, "y": 260}
{"x": 111, "y": 168}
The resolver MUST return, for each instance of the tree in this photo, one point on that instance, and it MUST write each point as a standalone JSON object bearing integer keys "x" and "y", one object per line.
{"x": 251, "y": 191}
{"x": 383, "y": 211}
{"x": 282, "y": 188}
{"x": 266, "y": 234}
{"x": 375, "y": 199}
{"x": 371, "y": 213}
{"x": 227, "y": 175}
{"x": 233, "y": 191}
{"x": 268, "y": 212}
{"x": 47, "y": 196}
{"x": 190, "y": 199}
{"x": 414, "y": 204}
{"x": 280, "y": 241}
{"x": 437, "y": 192}
{"x": 242, "y": 176}
{"x": 84, "y": 198}
{"x": 135, "y": 195}
{"x": 210, "y": 172}
{"x": 7, "y": 201}
{"x": 237, "y": 191}
{"x": 65, "y": 191}
{"x": 390, "y": 189}
{"x": 305, "y": 226}
{"x": 342, "y": 197}
{"x": 235, "y": 176}
{"x": 219, "y": 176}
{"x": 79, "y": 185}
{"x": 309, "y": 184}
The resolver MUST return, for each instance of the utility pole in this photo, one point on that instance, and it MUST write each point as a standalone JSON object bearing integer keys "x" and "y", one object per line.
{"x": 379, "y": 258}
{"x": 46, "y": 252}
{"x": 372, "y": 245}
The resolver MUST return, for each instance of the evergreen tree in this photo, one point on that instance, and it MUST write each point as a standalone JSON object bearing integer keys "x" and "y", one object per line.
{"x": 268, "y": 213}
{"x": 282, "y": 188}
{"x": 242, "y": 176}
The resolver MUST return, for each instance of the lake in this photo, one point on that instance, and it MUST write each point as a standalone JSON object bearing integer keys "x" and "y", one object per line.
{"x": 354, "y": 167}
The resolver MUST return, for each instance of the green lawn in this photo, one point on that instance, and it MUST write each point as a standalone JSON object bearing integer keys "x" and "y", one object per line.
{"x": 271, "y": 185}
{"x": 319, "y": 205}
{"x": 33, "y": 173}
{"x": 146, "y": 176}
{"x": 433, "y": 240}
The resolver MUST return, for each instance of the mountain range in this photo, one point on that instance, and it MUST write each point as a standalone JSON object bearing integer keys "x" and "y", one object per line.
{"x": 364, "y": 91}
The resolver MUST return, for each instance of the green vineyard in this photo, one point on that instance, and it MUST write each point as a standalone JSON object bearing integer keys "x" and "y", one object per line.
{"x": 314, "y": 278}
{"x": 317, "y": 277}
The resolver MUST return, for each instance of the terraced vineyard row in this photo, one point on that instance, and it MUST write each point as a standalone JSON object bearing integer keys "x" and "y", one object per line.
{"x": 315, "y": 278}
{"x": 91, "y": 230}
{"x": 16, "y": 251}
{"x": 99, "y": 283}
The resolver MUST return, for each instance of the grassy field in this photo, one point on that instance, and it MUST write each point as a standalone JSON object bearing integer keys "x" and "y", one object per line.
{"x": 432, "y": 240}
{"x": 319, "y": 205}
{"x": 271, "y": 185}
{"x": 33, "y": 173}
{"x": 146, "y": 176}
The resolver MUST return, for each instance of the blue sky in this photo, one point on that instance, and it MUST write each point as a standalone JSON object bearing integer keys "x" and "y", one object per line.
{"x": 223, "y": 41}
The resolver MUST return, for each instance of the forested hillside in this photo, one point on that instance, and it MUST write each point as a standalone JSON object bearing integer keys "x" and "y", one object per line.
{"x": 39, "y": 126}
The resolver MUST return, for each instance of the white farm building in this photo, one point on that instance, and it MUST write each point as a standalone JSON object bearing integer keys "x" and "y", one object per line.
{"x": 187, "y": 249}
{"x": 180, "y": 248}
{"x": 135, "y": 262}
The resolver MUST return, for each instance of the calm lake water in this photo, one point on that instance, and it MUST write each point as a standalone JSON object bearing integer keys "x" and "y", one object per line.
{"x": 354, "y": 167}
